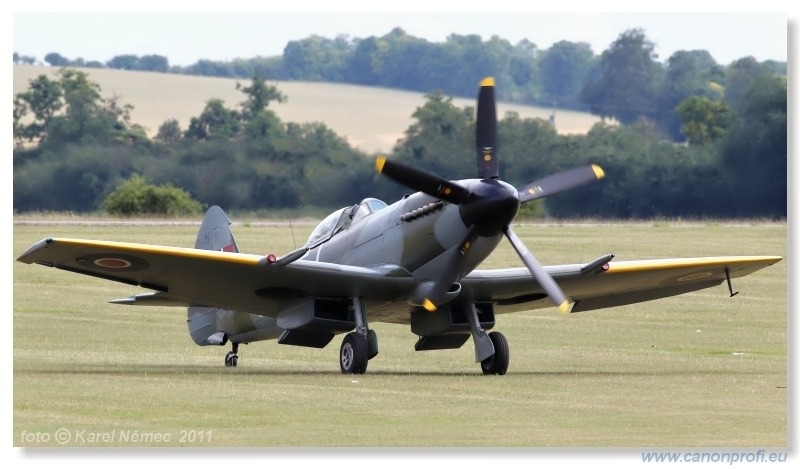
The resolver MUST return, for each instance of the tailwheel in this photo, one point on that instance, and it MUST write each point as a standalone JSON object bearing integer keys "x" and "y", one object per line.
{"x": 232, "y": 357}
{"x": 353, "y": 355}
{"x": 497, "y": 364}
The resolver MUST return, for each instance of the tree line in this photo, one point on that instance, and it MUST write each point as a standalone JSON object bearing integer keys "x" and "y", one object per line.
{"x": 73, "y": 147}
{"x": 625, "y": 82}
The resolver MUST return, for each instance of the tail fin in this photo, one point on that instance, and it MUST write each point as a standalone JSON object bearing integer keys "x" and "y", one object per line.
{"x": 215, "y": 235}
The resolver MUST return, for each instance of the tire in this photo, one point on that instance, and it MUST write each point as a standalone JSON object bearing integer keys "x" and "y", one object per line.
{"x": 353, "y": 357}
{"x": 497, "y": 364}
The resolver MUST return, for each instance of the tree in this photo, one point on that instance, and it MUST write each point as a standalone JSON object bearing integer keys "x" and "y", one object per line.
{"x": 563, "y": 70}
{"x": 528, "y": 149}
{"x": 20, "y": 129}
{"x": 440, "y": 137}
{"x": 209, "y": 68}
{"x": 83, "y": 104}
{"x": 169, "y": 133}
{"x": 755, "y": 150}
{"x": 124, "y": 62}
{"x": 740, "y": 76}
{"x": 24, "y": 59}
{"x": 216, "y": 122}
{"x": 627, "y": 88}
{"x": 703, "y": 120}
{"x": 365, "y": 62}
{"x": 56, "y": 60}
{"x": 259, "y": 95}
{"x": 317, "y": 58}
{"x": 395, "y": 51}
{"x": 71, "y": 109}
{"x": 154, "y": 63}
{"x": 688, "y": 73}
{"x": 263, "y": 126}
{"x": 522, "y": 66}
{"x": 44, "y": 99}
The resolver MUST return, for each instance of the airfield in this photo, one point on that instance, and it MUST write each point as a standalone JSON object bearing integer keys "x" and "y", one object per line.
{"x": 697, "y": 370}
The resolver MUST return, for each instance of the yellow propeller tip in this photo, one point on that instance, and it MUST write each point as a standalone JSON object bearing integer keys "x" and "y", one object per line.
{"x": 598, "y": 171}
{"x": 428, "y": 305}
{"x": 488, "y": 81}
{"x": 379, "y": 163}
{"x": 563, "y": 307}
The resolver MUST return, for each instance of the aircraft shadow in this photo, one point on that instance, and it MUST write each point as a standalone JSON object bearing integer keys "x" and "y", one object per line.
{"x": 176, "y": 370}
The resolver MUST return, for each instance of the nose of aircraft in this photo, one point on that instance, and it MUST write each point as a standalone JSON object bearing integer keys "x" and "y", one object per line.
{"x": 491, "y": 206}
{"x": 487, "y": 206}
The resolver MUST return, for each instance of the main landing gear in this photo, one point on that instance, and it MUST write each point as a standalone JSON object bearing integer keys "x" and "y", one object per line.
{"x": 497, "y": 364}
{"x": 232, "y": 357}
{"x": 353, "y": 357}
{"x": 491, "y": 350}
{"x": 359, "y": 346}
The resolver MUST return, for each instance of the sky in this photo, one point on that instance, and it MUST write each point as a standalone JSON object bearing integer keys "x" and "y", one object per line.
{"x": 186, "y": 37}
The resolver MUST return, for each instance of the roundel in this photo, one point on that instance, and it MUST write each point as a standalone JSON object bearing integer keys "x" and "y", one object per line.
{"x": 112, "y": 263}
{"x": 109, "y": 262}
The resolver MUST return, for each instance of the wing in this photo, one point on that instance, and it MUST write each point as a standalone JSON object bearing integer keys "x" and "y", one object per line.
{"x": 603, "y": 284}
{"x": 241, "y": 282}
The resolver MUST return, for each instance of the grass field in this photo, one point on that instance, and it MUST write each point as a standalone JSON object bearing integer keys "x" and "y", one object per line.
{"x": 699, "y": 370}
{"x": 372, "y": 119}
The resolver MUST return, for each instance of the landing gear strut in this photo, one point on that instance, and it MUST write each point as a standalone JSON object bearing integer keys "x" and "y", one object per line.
{"x": 360, "y": 346}
{"x": 232, "y": 357}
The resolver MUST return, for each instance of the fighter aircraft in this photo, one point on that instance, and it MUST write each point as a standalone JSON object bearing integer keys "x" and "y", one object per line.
{"x": 413, "y": 262}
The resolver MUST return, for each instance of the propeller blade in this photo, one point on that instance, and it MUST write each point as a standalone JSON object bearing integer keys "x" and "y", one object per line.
{"x": 437, "y": 293}
{"x": 560, "y": 182}
{"x": 545, "y": 280}
{"x": 486, "y": 131}
{"x": 422, "y": 181}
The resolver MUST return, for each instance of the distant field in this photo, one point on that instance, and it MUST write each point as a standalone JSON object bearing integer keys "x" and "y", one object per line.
{"x": 699, "y": 370}
{"x": 372, "y": 119}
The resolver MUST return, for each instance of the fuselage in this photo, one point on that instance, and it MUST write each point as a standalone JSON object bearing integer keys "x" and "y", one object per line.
{"x": 412, "y": 233}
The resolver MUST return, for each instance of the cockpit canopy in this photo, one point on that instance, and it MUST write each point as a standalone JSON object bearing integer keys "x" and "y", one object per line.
{"x": 342, "y": 219}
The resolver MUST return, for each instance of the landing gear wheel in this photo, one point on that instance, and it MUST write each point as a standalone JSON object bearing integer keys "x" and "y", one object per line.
{"x": 353, "y": 354}
{"x": 232, "y": 357}
{"x": 497, "y": 364}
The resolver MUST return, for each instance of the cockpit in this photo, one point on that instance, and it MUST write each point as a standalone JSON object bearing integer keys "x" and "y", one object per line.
{"x": 342, "y": 219}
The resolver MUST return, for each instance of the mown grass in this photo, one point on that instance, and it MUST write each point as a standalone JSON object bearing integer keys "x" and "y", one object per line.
{"x": 699, "y": 370}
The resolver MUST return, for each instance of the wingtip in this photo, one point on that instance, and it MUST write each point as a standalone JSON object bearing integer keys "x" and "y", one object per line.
{"x": 598, "y": 171}
{"x": 488, "y": 81}
{"x": 379, "y": 162}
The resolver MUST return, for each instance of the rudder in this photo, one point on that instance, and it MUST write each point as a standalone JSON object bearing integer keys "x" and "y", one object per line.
{"x": 215, "y": 233}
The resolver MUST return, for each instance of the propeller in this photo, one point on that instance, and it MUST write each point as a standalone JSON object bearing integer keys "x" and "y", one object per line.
{"x": 487, "y": 207}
